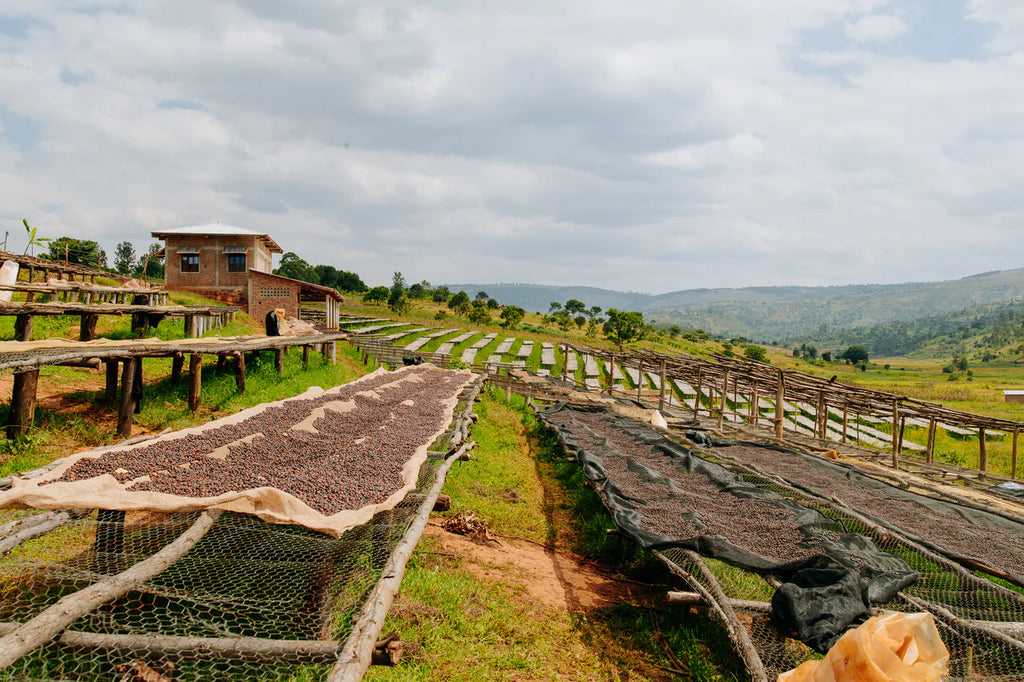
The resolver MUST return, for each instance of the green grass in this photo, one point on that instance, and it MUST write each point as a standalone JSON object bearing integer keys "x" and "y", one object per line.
{"x": 461, "y": 626}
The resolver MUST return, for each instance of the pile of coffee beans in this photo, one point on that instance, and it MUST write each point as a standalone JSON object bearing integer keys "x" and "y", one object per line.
{"x": 355, "y": 459}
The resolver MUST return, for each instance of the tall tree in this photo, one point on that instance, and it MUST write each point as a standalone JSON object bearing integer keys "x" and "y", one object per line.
{"x": 296, "y": 268}
{"x": 124, "y": 257}
{"x": 623, "y": 327}
{"x": 77, "y": 251}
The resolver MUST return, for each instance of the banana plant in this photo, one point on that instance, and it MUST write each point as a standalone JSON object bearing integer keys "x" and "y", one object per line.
{"x": 33, "y": 241}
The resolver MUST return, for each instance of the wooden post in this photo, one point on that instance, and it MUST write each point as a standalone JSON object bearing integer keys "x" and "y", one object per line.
{"x": 23, "y": 328}
{"x": 821, "y": 416}
{"x": 325, "y": 353}
{"x": 195, "y": 380}
{"x": 640, "y": 383}
{"x": 929, "y": 449}
{"x": 87, "y": 327}
{"x": 982, "y": 452}
{"x": 780, "y": 397}
{"x": 279, "y": 360}
{"x": 111, "y": 387}
{"x": 138, "y": 388}
{"x": 611, "y": 374}
{"x": 334, "y": 352}
{"x": 221, "y": 359}
{"x": 23, "y": 403}
{"x": 895, "y": 434}
{"x": 1013, "y": 453}
{"x": 661, "y": 386}
{"x": 190, "y": 326}
{"x": 903, "y": 427}
{"x": 176, "y": 363}
{"x": 724, "y": 404}
{"x": 305, "y": 356}
{"x": 126, "y": 409}
{"x": 240, "y": 372}
{"x": 140, "y": 325}
{"x": 565, "y": 362}
{"x": 696, "y": 401}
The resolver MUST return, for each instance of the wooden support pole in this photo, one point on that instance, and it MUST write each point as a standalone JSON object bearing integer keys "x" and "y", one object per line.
{"x": 221, "y": 359}
{"x": 780, "y": 397}
{"x": 177, "y": 362}
{"x": 305, "y": 356}
{"x": 1013, "y": 454}
{"x": 903, "y": 428}
{"x": 195, "y": 380}
{"x": 23, "y": 403}
{"x": 696, "y": 401}
{"x": 126, "y": 408}
{"x": 661, "y": 385}
{"x": 87, "y": 327}
{"x": 982, "y": 452}
{"x": 845, "y": 411}
{"x": 611, "y": 373}
{"x": 240, "y": 372}
{"x": 333, "y": 355}
{"x": 111, "y": 386}
{"x": 753, "y": 409}
{"x": 190, "y": 327}
{"x": 724, "y": 404}
{"x": 565, "y": 362}
{"x": 895, "y": 434}
{"x": 279, "y": 360}
{"x": 23, "y": 328}
{"x": 138, "y": 388}
{"x": 821, "y": 416}
{"x": 325, "y": 353}
{"x": 640, "y": 383}
{"x": 929, "y": 448}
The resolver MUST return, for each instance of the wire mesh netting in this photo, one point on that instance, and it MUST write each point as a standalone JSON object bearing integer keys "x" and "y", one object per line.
{"x": 979, "y": 616}
{"x": 245, "y": 578}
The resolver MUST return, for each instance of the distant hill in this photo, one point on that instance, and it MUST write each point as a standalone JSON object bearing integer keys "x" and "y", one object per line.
{"x": 772, "y": 313}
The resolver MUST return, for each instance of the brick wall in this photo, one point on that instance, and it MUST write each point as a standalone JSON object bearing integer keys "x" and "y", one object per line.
{"x": 265, "y": 293}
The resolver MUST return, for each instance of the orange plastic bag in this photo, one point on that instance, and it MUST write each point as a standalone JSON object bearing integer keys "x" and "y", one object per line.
{"x": 896, "y": 647}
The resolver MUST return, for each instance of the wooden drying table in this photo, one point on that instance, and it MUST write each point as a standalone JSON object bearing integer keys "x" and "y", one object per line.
{"x": 129, "y": 354}
{"x": 142, "y": 315}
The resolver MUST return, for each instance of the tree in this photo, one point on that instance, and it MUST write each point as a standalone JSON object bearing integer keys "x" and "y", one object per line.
{"x": 592, "y": 327}
{"x": 349, "y": 281}
{"x": 441, "y": 294}
{"x": 554, "y": 307}
{"x": 482, "y": 296}
{"x": 397, "y": 300}
{"x": 855, "y": 355}
{"x": 457, "y": 300}
{"x": 580, "y": 320}
{"x": 480, "y": 315}
{"x": 755, "y": 352}
{"x": 492, "y": 304}
{"x": 124, "y": 257}
{"x": 417, "y": 291}
{"x": 377, "y": 295}
{"x": 151, "y": 265}
{"x": 512, "y": 315}
{"x": 575, "y": 307}
{"x": 294, "y": 267}
{"x": 594, "y": 311}
{"x": 826, "y": 356}
{"x": 623, "y": 327}
{"x": 78, "y": 251}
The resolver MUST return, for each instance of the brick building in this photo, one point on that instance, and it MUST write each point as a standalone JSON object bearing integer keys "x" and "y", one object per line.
{"x": 214, "y": 259}
{"x": 234, "y": 265}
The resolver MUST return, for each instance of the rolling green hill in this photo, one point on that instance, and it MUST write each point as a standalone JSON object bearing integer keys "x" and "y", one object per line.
{"x": 771, "y": 313}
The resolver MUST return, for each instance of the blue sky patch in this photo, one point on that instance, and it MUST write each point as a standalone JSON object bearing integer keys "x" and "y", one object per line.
{"x": 180, "y": 104}
{"x": 22, "y": 131}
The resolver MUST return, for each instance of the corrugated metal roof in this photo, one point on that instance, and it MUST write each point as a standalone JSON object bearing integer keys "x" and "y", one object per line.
{"x": 1015, "y": 391}
{"x": 219, "y": 229}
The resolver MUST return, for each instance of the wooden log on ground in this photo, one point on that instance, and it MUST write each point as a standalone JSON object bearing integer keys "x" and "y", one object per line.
{"x": 23, "y": 403}
{"x": 40, "y": 524}
{"x": 126, "y": 407}
{"x": 87, "y": 328}
{"x": 52, "y": 621}
{"x": 195, "y": 380}
{"x": 23, "y": 327}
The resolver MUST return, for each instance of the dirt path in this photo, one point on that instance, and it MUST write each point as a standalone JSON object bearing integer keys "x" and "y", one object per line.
{"x": 560, "y": 581}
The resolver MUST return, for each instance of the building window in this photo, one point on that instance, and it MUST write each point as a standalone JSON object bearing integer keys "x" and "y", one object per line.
{"x": 190, "y": 262}
{"x": 236, "y": 262}
{"x": 272, "y": 292}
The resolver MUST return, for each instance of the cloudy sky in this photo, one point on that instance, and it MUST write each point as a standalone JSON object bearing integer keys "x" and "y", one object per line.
{"x": 645, "y": 146}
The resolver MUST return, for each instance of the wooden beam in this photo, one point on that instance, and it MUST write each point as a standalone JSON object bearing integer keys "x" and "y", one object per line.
{"x": 929, "y": 448}
{"x": 23, "y": 403}
{"x": 1013, "y": 454}
{"x": 661, "y": 387}
{"x": 982, "y": 451}
{"x": 195, "y": 380}
{"x": 780, "y": 397}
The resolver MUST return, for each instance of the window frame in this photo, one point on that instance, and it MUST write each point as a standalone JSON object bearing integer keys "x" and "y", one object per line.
{"x": 187, "y": 261}
{"x": 234, "y": 267}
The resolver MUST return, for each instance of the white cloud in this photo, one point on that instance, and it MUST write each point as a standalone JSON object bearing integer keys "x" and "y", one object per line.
{"x": 632, "y": 146}
{"x": 875, "y": 28}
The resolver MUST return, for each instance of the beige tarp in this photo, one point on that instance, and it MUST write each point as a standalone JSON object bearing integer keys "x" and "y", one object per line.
{"x": 270, "y": 504}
